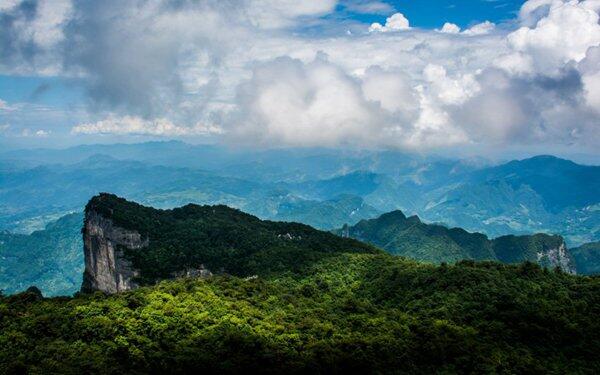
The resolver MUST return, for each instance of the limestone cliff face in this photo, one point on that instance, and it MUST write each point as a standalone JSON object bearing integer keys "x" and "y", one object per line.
{"x": 106, "y": 269}
{"x": 557, "y": 256}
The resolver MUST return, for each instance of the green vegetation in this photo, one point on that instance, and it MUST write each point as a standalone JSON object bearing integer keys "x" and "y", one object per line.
{"x": 409, "y": 237}
{"x": 294, "y": 299}
{"x": 347, "y": 313}
{"x": 587, "y": 258}
{"x": 51, "y": 259}
{"x": 218, "y": 237}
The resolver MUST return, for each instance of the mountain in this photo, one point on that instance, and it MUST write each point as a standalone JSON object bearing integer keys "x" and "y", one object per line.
{"x": 410, "y": 237}
{"x": 539, "y": 194}
{"x": 332, "y": 213}
{"x": 348, "y": 309}
{"x": 587, "y": 258}
{"x": 378, "y": 190}
{"x": 53, "y": 190}
{"x": 559, "y": 183}
{"x": 127, "y": 244}
{"x": 51, "y": 258}
{"x": 31, "y": 198}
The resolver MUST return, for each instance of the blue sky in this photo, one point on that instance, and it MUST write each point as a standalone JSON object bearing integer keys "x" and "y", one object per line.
{"x": 464, "y": 13}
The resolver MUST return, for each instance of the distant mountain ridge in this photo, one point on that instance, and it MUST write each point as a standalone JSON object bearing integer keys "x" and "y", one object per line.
{"x": 587, "y": 258}
{"x": 410, "y": 237}
{"x": 51, "y": 259}
{"x": 539, "y": 194}
{"x": 560, "y": 183}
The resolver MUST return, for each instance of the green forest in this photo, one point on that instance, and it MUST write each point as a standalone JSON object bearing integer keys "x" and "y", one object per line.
{"x": 285, "y": 297}
{"x": 348, "y": 313}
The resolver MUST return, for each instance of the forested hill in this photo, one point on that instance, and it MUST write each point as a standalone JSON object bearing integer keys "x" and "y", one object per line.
{"x": 349, "y": 313}
{"x": 317, "y": 303}
{"x": 410, "y": 237}
{"x": 51, "y": 259}
{"x": 216, "y": 237}
{"x": 587, "y": 258}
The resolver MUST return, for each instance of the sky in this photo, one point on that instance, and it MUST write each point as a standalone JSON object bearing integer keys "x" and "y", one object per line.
{"x": 427, "y": 76}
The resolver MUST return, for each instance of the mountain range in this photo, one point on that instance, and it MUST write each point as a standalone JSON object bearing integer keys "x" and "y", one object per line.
{"x": 540, "y": 194}
{"x": 51, "y": 259}
{"x": 216, "y": 289}
{"x": 410, "y": 237}
{"x": 325, "y": 189}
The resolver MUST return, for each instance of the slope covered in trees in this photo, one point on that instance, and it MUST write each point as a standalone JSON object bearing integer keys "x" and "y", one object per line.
{"x": 218, "y": 238}
{"x": 51, "y": 259}
{"x": 410, "y": 237}
{"x": 587, "y": 258}
{"x": 347, "y": 313}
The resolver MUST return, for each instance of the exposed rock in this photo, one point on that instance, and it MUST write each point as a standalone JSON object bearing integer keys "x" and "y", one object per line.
{"x": 288, "y": 237}
{"x": 106, "y": 268}
{"x": 200, "y": 272}
{"x": 557, "y": 257}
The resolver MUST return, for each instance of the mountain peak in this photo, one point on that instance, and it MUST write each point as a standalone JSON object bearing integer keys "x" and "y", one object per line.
{"x": 127, "y": 244}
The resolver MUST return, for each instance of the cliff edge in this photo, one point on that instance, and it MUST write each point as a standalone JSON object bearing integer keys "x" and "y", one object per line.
{"x": 106, "y": 268}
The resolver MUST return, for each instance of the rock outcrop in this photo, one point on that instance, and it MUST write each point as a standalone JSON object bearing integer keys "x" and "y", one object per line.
{"x": 106, "y": 268}
{"x": 557, "y": 256}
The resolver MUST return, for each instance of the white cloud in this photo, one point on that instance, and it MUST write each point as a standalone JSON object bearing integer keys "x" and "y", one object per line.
{"x": 590, "y": 76}
{"x": 391, "y": 89}
{"x": 271, "y": 14}
{"x": 27, "y": 133}
{"x": 480, "y": 29}
{"x": 450, "y": 28}
{"x": 448, "y": 90}
{"x": 130, "y": 125}
{"x": 395, "y": 22}
{"x": 315, "y": 104}
{"x": 564, "y": 34}
{"x": 533, "y": 10}
{"x": 165, "y": 67}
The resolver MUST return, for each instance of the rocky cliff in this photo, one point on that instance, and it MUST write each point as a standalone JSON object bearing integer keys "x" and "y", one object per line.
{"x": 549, "y": 251}
{"x": 557, "y": 256}
{"x": 106, "y": 268}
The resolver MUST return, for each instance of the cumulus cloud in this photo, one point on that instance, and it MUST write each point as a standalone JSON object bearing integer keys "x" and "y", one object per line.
{"x": 590, "y": 76}
{"x": 392, "y": 90}
{"x": 315, "y": 104}
{"x": 480, "y": 28}
{"x": 247, "y": 68}
{"x": 447, "y": 89}
{"x": 564, "y": 34}
{"x": 395, "y": 22}
{"x": 450, "y": 28}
